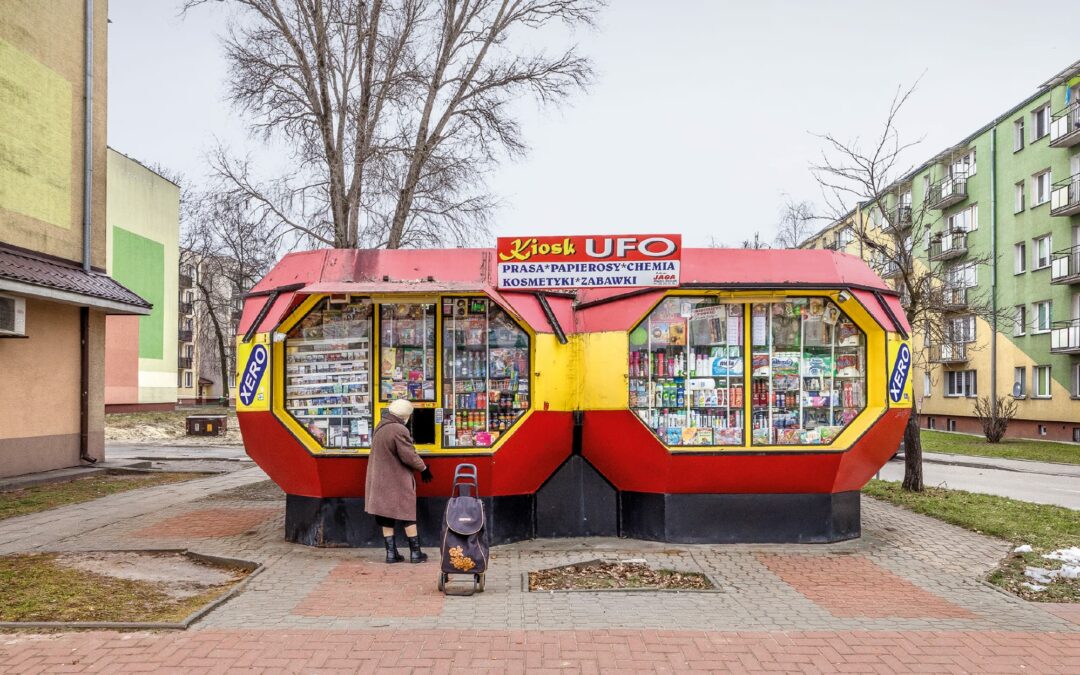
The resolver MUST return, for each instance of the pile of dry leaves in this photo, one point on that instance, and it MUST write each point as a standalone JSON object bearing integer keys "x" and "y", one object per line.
{"x": 598, "y": 574}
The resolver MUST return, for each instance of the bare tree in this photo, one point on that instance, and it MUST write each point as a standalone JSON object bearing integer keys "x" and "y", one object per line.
{"x": 994, "y": 414}
{"x": 795, "y": 224}
{"x": 395, "y": 110}
{"x": 231, "y": 247}
{"x": 754, "y": 242}
{"x": 869, "y": 180}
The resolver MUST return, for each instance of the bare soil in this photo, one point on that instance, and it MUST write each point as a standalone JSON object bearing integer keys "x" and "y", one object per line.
{"x": 599, "y": 574}
{"x": 168, "y": 428}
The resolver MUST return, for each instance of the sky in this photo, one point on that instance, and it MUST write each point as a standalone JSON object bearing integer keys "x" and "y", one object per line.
{"x": 703, "y": 116}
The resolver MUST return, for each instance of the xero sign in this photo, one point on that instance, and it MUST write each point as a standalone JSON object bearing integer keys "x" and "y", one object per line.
{"x": 899, "y": 375}
{"x": 253, "y": 373}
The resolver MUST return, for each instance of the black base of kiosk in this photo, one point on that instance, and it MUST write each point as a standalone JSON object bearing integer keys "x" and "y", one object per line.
{"x": 577, "y": 501}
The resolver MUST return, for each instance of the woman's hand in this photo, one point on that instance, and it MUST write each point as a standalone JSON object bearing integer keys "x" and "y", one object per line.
{"x": 425, "y": 475}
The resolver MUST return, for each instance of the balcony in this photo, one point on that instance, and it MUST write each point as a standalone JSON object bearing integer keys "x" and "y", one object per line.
{"x": 1065, "y": 196}
{"x": 889, "y": 270}
{"x": 183, "y": 363}
{"x": 185, "y": 281}
{"x": 186, "y": 308}
{"x": 236, "y": 314}
{"x": 833, "y": 245}
{"x": 948, "y": 246}
{"x": 1065, "y": 127}
{"x": 948, "y": 191}
{"x": 899, "y": 219}
{"x": 954, "y": 299}
{"x": 1065, "y": 266}
{"x": 949, "y": 352}
{"x": 185, "y": 335}
{"x": 1065, "y": 337}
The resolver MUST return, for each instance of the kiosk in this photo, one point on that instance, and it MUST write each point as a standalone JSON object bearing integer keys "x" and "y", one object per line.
{"x": 749, "y": 403}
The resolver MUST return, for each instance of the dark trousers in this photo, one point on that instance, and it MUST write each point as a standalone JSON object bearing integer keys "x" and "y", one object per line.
{"x": 383, "y": 521}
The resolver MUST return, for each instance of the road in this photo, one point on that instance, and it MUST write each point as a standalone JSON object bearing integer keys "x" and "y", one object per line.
{"x": 1039, "y": 482}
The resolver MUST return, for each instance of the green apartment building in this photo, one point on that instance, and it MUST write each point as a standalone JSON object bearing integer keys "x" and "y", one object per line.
{"x": 1002, "y": 218}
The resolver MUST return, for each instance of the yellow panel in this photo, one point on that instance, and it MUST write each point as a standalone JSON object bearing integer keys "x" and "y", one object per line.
{"x": 255, "y": 369}
{"x": 554, "y": 386}
{"x": 605, "y": 371}
{"x": 35, "y": 138}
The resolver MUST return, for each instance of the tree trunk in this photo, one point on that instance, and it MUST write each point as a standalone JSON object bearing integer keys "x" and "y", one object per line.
{"x": 913, "y": 476}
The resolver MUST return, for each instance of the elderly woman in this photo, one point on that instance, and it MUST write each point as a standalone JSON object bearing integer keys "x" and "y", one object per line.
{"x": 390, "y": 489}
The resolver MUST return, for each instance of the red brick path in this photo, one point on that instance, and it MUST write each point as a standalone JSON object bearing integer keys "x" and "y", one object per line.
{"x": 852, "y": 586}
{"x": 541, "y": 652}
{"x": 360, "y": 588}
{"x": 223, "y": 522}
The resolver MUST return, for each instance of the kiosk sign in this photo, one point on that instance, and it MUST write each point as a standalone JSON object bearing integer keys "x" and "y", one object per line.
{"x": 614, "y": 261}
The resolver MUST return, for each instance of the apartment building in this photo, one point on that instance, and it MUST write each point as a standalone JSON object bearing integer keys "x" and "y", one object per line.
{"x": 143, "y": 213}
{"x": 54, "y": 292}
{"x": 208, "y": 296}
{"x": 1001, "y": 216}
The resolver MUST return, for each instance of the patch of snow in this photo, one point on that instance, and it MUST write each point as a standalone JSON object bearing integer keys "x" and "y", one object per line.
{"x": 1068, "y": 555}
{"x": 1069, "y": 572}
{"x": 1033, "y": 587}
{"x": 1026, "y": 548}
{"x": 1039, "y": 574}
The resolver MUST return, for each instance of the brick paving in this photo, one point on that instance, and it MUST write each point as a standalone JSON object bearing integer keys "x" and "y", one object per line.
{"x": 906, "y": 597}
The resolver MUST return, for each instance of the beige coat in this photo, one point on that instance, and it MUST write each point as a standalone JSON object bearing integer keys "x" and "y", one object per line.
{"x": 390, "y": 486}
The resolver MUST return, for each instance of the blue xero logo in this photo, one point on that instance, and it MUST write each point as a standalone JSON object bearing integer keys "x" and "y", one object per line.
{"x": 899, "y": 375}
{"x": 252, "y": 375}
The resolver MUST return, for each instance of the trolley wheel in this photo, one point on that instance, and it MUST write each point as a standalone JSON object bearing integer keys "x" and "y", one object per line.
{"x": 480, "y": 578}
{"x": 442, "y": 581}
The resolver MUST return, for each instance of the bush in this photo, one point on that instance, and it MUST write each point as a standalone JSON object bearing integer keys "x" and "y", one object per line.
{"x": 994, "y": 416}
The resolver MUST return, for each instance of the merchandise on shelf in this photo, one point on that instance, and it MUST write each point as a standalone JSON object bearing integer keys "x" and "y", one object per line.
{"x": 485, "y": 372}
{"x": 327, "y": 374}
{"x": 407, "y": 351}
{"x": 686, "y": 372}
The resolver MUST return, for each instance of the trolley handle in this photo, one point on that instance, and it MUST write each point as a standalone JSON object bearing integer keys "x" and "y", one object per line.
{"x": 466, "y": 481}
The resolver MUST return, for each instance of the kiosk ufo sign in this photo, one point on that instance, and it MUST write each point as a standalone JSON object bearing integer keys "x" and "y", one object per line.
{"x": 617, "y": 261}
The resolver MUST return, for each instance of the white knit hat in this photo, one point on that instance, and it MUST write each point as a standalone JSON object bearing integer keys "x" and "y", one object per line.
{"x": 401, "y": 409}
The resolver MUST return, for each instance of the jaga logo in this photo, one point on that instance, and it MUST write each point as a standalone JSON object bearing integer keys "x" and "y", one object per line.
{"x": 252, "y": 375}
{"x": 900, "y": 372}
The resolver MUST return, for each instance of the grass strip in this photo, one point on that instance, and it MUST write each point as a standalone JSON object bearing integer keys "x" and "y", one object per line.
{"x": 1046, "y": 528}
{"x": 43, "y": 497}
{"x": 38, "y": 588}
{"x": 1008, "y": 448}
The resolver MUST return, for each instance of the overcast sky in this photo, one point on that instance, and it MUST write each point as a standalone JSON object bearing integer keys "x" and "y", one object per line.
{"x": 700, "y": 120}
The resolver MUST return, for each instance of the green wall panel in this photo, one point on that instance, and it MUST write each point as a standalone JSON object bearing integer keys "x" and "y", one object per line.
{"x": 139, "y": 264}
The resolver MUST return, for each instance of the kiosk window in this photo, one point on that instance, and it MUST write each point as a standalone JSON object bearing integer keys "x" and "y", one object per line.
{"x": 407, "y": 351}
{"x": 686, "y": 372}
{"x": 808, "y": 372}
{"x": 485, "y": 372}
{"x": 327, "y": 373}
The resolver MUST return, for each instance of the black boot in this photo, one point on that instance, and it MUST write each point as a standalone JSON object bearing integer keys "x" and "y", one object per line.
{"x": 415, "y": 554}
{"x": 392, "y": 555}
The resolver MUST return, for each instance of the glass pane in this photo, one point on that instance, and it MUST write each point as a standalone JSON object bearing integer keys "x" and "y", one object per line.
{"x": 808, "y": 365}
{"x": 407, "y": 352}
{"x": 686, "y": 372}
{"x": 328, "y": 375}
{"x": 485, "y": 372}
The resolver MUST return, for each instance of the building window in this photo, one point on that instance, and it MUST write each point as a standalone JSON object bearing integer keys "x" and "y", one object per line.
{"x": 187, "y": 380}
{"x": 845, "y": 236}
{"x": 950, "y": 425}
{"x": 1043, "y": 246}
{"x": 1018, "y": 206}
{"x": 1076, "y": 434}
{"x": 961, "y": 383}
{"x": 960, "y": 329}
{"x": 1020, "y": 258}
{"x": 963, "y": 276}
{"x": 1043, "y": 317}
{"x": 1020, "y": 382}
{"x": 966, "y": 220}
{"x": 931, "y": 423}
{"x": 1075, "y": 380}
{"x": 1020, "y": 320}
{"x": 927, "y": 389}
{"x": 1018, "y": 135}
{"x": 1042, "y": 429}
{"x": 1040, "y": 122}
{"x": 180, "y": 380}
{"x": 1040, "y": 188}
{"x": 964, "y": 166}
{"x": 1042, "y": 382}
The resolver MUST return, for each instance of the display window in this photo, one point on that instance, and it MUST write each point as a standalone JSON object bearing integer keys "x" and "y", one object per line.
{"x": 328, "y": 373}
{"x": 808, "y": 372}
{"x": 686, "y": 372}
{"x": 485, "y": 362}
{"x": 407, "y": 351}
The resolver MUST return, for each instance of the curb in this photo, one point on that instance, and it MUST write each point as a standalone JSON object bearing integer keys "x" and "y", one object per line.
{"x": 254, "y": 568}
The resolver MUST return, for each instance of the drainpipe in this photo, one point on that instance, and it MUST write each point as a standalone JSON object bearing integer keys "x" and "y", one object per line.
{"x": 88, "y": 184}
{"x": 993, "y": 271}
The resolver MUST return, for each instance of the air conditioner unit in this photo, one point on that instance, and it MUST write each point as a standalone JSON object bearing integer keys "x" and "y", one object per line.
{"x": 12, "y": 316}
